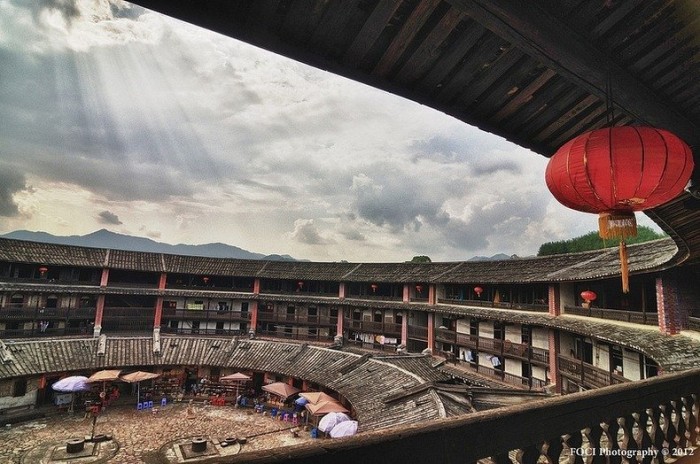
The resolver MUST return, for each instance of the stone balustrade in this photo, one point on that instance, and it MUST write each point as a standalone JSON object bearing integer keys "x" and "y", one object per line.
{"x": 654, "y": 420}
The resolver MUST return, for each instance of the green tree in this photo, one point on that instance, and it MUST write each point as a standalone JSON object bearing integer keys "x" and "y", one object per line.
{"x": 592, "y": 241}
{"x": 421, "y": 259}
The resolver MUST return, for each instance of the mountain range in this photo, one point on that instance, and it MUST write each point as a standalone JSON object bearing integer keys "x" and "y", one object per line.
{"x": 106, "y": 239}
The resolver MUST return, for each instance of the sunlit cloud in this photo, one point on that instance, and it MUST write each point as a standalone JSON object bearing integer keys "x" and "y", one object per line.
{"x": 154, "y": 127}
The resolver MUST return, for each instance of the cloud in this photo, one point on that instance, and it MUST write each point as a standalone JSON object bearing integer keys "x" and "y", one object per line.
{"x": 198, "y": 137}
{"x": 11, "y": 182}
{"x": 306, "y": 232}
{"x": 109, "y": 218}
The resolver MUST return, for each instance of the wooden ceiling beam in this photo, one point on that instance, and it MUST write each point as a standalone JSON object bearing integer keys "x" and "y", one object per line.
{"x": 547, "y": 39}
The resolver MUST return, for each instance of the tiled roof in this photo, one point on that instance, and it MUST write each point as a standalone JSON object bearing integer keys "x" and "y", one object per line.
{"x": 363, "y": 381}
{"x": 569, "y": 267}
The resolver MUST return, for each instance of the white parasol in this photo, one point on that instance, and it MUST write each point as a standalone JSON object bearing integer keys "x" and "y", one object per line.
{"x": 72, "y": 384}
{"x": 344, "y": 429}
{"x": 332, "y": 419}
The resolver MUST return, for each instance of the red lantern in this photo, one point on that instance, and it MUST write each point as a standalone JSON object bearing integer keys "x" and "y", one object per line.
{"x": 374, "y": 288}
{"x": 588, "y": 296}
{"x": 299, "y": 285}
{"x": 205, "y": 279}
{"x": 478, "y": 291}
{"x": 419, "y": 288}
{"x": 43, "y": 270}
{"x": 616, "y": 171}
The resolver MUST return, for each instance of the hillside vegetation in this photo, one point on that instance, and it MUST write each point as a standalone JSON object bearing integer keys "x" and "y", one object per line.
{"x": 591, "y": 241}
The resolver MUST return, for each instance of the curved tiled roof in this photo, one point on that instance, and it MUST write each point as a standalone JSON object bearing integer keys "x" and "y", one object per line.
{"x": 365, "y": 382}
{"x": 568, "y": 267}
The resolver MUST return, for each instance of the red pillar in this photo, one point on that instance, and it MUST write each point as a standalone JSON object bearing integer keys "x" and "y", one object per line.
{"x": 253, "y": 317}
{"x": 406, "y": 293}
{"x": 554, "y": 360}
{"x": 666, "y": 307}
{"x": 553, "y": 300}
{"x": 105, "y": 277}
{"x": 404, "y": 329}
{"x": 432, "y": 294}
{"x": 99, "y": 311}
{"x": 100, "y": 305}
{"x": 158, "y": 313}
{"x": 339, "y": 323}
{"x": 256, "y": 287}
{"x": 341, "y": 291}
{"x": 431, "y": 331}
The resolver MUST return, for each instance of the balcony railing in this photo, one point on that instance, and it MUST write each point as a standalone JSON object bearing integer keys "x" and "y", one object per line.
{"x": 198, "y": 331}
{"x": 636, "y": 317}
{"x": 420, "y": 333}
{"x": 658, "y": 416}
{"x": 542, "y": 308}
{"x": 586, "y": 375}
{"x": 187, "y": 314}
{"x": 46, "y": 313}
{"x": 386, "y": 328}
{"x": 320, "y": 321}
{"x": 37, "y": 332}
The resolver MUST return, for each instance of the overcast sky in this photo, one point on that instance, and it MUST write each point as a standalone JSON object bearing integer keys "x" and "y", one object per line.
{"x": 115, "y": 117}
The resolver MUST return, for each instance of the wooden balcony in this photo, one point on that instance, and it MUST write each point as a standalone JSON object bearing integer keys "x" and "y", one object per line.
{"x": 636, "y": 317}
{"x": 587, "y": 375}
{"x": 541, "y": 308}
{"x": 185, "y": 314}
{"x": 19, "y": 313}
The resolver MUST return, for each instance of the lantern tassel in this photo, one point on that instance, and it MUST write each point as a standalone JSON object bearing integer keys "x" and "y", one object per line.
{"x": 624, "y": 267}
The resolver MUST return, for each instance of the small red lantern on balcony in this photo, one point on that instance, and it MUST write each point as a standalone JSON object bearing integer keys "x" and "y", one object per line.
{"x": 616, "y": 171}
{"x": 374, "y": 288}
{"x": 205, "y": 279}
{"x": 588, "y": 296}
{"x": 43, "y": 270}
{"x": 419, "y": 288}
{"x": 478, "y": 291}
{"x": 300, "y": 284}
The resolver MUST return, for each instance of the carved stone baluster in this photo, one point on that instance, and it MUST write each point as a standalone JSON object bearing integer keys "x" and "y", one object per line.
{"x": 691, "y": 406}
{"x": 681, "y": 438}
{"x": 628, "y": 440}
{"x": 657, "y": 432}
{"x": 552, "y": 450}
{"x": 669, "y": 429}
{"x": 529, "y": 455}
{"x": 611, "y": 429}
{"x": 574, "y": 441}
{"x": 594, "y": 434}
{"x": 645, "y": 440}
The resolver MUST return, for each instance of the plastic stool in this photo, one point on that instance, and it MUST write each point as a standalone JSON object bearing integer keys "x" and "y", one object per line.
{"x": 139, "y": 406}
{"x": 150, "y": 404}
{"x": 314, "y": 432}
{"x": 163, "y": 401}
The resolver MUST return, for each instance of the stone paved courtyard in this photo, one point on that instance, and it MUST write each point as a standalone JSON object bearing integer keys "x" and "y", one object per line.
{"x": 145, "y": 436}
